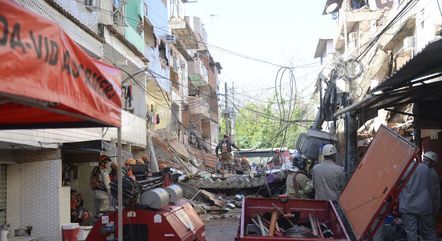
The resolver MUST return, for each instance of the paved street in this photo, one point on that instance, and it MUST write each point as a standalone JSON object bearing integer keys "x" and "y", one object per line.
{"x": 221, "y": 229}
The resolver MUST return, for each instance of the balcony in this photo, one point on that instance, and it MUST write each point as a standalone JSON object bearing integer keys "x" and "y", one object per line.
{"x": 190, "y": 32}
{"x": 198, "y": 73}
{"x": 199, "y": 105}
{"x": 199, "y": 32}
{"x": 181, "y": 28}
{"x": 351, "y": 21}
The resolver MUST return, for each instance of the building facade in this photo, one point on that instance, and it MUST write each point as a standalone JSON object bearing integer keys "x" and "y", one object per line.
{"x": 375, "y": 39}
{"x": 169, "y": 83}
{"x": 35, "y": 161}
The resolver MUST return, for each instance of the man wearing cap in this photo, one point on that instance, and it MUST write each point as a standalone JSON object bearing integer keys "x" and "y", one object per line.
{"x": 226, "y": 150}
{"x": 100, "y": 184}
{"x": 431, "y": 159}
{"x": 416, "y": 202}
{"x": 328, "y": 177}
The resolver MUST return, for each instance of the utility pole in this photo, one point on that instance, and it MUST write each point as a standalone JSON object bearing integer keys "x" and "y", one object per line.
{"x": 233, "y": 116}
{"x": 226, "y": 111}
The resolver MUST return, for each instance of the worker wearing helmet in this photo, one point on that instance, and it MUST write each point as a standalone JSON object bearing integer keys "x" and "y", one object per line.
{"x": 225, "y": 145}
{"x": 415, "y": 202}
{"x": 146, "y": 161}
{"x": 328, "y": 177}
{"x": 431, "y": 159}
{"x": 276, "y": 160}
{"x": 298, "y": 185}
{"x": 128, "y": 168}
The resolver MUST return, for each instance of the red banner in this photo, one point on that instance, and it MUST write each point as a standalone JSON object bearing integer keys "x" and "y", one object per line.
{"x": 46, "y": 80}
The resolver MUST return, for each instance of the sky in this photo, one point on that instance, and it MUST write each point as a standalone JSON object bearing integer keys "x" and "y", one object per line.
{"x": 283, "y": 32}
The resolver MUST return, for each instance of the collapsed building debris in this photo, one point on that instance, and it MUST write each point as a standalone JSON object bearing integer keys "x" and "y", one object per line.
{"x": 232, "y": 183}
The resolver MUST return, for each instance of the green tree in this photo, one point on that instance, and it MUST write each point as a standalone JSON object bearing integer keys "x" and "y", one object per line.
{"x": 266, "y": 124}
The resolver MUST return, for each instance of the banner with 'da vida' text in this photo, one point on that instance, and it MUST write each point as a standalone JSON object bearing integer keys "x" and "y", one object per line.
{"x": 49, "y": 78}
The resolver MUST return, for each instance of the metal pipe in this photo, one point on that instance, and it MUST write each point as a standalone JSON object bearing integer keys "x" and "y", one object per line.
{"x": 226, "y": 113}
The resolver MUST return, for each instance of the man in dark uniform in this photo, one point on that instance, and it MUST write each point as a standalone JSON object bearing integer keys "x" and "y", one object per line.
{"x": 226, "y": 150}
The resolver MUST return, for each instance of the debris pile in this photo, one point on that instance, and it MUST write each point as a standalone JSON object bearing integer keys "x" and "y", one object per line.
{"x": 210, "y": 205}
{"x": 170, "y": 152}
{"x": 231, "y": 183}
{"x": 276, "y": 223}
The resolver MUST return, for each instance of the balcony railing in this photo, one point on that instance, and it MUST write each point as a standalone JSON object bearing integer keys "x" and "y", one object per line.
{"x": 198, "y": 73}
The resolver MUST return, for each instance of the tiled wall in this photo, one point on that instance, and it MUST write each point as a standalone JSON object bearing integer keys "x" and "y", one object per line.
{"x": 40, "y": 198}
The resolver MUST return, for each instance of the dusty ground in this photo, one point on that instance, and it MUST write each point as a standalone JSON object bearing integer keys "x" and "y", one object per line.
{"x": 221, "y": 229}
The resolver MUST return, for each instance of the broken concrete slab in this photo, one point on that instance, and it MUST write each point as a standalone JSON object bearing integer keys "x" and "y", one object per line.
{"x": 214, "y": 200}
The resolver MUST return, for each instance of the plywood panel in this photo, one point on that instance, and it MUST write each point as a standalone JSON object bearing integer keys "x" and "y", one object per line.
{"x": 376, "y": 179}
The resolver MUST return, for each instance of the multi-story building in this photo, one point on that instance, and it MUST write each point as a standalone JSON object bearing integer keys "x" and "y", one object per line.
{"x": 35, "y": 163}
{"x": 201, "y": 107}
{"x": 381, "y": 38}
{"x": 169, "y": 82}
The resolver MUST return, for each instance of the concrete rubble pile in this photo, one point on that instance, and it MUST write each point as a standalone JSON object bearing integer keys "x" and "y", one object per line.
{"x": 213, "y": 195}
{"x": 231, "y": 182}
{"x": 170, "y": 152}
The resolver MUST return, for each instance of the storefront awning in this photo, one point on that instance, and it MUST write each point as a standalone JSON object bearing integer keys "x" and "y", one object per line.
{"x": 95, "y": 146}
{"x": 47, "y": 81}
{"x": 418, "y": 80}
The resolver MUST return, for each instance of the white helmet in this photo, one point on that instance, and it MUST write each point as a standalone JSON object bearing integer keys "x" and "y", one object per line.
{"x": 328, "y": 150}
{"x": 432, "y": 156}
{"x": 293, "y": 168}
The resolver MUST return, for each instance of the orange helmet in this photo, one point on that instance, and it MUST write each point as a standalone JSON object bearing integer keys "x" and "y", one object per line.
{"x": 130, "y": 161}
{"x": 103, "y": 158}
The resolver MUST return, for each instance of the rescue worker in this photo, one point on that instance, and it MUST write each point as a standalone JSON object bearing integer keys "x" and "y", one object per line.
{"x": 128, "y": 168}
{"x": 146, "y": 160}
{"x": 225, "y": 145}
{"x": 431, "y": 159}
{"x": 245, "y": 165}
{"x": 298, "y": 185}
{"x": 276, "y": 160}
{"x": 113, "y": 176}
{"x": 100, "y": 184}
{"x": 415, "y": 204}
{"x": 328, "y": 177}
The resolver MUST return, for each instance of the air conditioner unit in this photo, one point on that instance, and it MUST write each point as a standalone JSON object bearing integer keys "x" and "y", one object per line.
{"x": 170, "y": 38}
{"x": 91, "y": 4}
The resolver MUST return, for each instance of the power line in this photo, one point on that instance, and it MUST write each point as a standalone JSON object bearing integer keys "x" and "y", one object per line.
{"x": 163, "y": 29}
{"x": 167, "y": 102}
